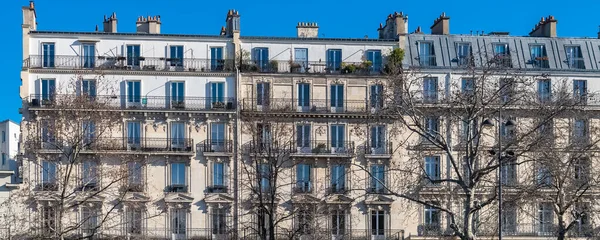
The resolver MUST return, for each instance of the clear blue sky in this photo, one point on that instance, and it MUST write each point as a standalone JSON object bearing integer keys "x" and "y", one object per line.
{"x": 278, "y": 18}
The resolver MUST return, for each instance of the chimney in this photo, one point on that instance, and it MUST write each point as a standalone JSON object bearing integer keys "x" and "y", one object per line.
{"x": 307, "y": 30}
{"x": 546, "y": 27}
{"x": 223, "y": 32}
{"x": 29, "y": 17}
{"x": 232, "y": 22}
{"x": 110, "y": 23}
{"x": 441, "y": 25}
{"x": 151, "y": 24}
{"x": 396, "y": 24}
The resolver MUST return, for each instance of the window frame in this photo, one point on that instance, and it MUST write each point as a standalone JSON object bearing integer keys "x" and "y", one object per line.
{"x": 430, "y": 57}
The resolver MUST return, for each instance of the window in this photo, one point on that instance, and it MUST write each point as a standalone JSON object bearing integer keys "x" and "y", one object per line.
{"x": 48, "y": 55}
{"x": 133, "y": 220}
{"x": 133, "y": 55}
{"x": 583, "y": 227}
{"x": 581, "y": 169}
{"x": 376, "y": 96}
{"x": 463, "y": 54}
{"x": 432, "y": 169}
{"x": 89, "y": 132}
{"x": 48, "y": 219}
{"x": 574, "y": 57}
{"x": 502, "y": 55}
{"x": 178, "y": 221}
{"x": 506, "y": 90}
{"x": 508, "y": 133}
{"x": 217, "y": 93}
{"x": 89, "y": 218}
{"x": 468, "y": 130}
{"x": 338, "y": 133}
{"x": 303, "y": 136}
{"x": 264, "y": 136}
{"x": 338, "y": 178}
{"x": 546, "y": 131}
{"x": 580, "y": 131}
{"x": 545, "y": 218}
{"x": 468, "y": 87}
{"x": 265, "y": 178}
{"x": 544, "y": 175}
{"x": 134, "y": 137}
{"x": 304, "y": 96}
{"x": 580, "y": 91}
{"x": 48, "y": 90}
{"x": 178, "y": 183}
{"x": 89, "y": 175}
{"x": 263, "y": 93}
{"x": 432, "y": 128}
{"x": 374, "y": 56}
{"x": 338, "y": 222}
{"x": 378, "y": 180}
{"x": 134, "y": 93}
{"x": 177, "y": 94}
{"x": 337, "y": 96}
{"x": 544, "y": 90}
{"x": 509, "y": 172}
{"x": 303, "y": 179}
{"x": 48, "y": 175}
{"x": 509, "y": 217}
{"x": 218, "y": 180}
{"x": 88, "y": 88}
{"x": 430, "y": 90}
{"x": 426, "y": 54}
{"x": 177, "y": 135}
{"x": 304, "y": 221}
{"x": 176, "y": 56}
{"x": 377, "y": 222}
{"x": 261, "y": 58}
{"x": 216, "y": 59}
{"x": 3, "y": 136}
{"x": 48, "y": 133}
{"x": 3, "y": 159}
{"x": 134, "y": 177}
{"x": 539, "y": 57}
{"x": 432, "y": 218}
{"x": 219, "y": 220}
{"x": 300, "y": 60}
{"x": 217, "y": 136}
{"x": 378, "y": 136}
{"x": 334, "y": 59}
{"x": 89, "y": 55}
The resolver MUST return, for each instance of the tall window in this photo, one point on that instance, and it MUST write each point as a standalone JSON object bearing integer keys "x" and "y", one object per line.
{"x": 506, "y": 89}
{"x": 134, "y": 220}
{"x": 265, "y": 178}
{"x": 378, "y": 136}
{"x": 48, "y": 136}
{"x": 432, "y": 217}
{"x": 303, "y": 135}
{"x": 178, "y": 183}
{"x": 263, "y": 93}
{"x": 217, "y": 136}
{"x": 374, "y": 56}
{"x": 509, "y": 218}
{"x": 178, "y": 221}
{"x": 134, "y": 93}
{"x": 468, "y": 130}
{"x": 3, "y": 136}
{"x": 502, "y": 55}
{"x": 304, "y": 96}
{"x": 544, "y": 90}
{"x": 176, "y": 57}
{"x": 48, "y": 55}
{"x": 217, "y": 92}
{"x": 48, "y": 174}
{"x": 219, "y": 220}
{"x": 432, "y": 128}
{"x": 89, "y": 132}
{"x": 3, "y": 159}
{"x": 89, "y": 175}
{"x": 303, "y": 178}
{"x": 426, "y": 54}
{"x": 264, "y": 136}
{"x": 48, "y": 214}
{"x": 134, "y": 130}
{"x": 581, "y": 169}
{"x": 580, "y": 91}
{"x": 88, "y": 88}
{"x": 133, "y": 55}
{"x": 377, "y": 222}
{"x": 338, "y": 222}
{"x": 539, "y": 57}
{"x": 463, "y": 54}
{"x": 261, "y": 58}
{"x": 337, "y": 95}
{"x": 338, "y": 134}
{"x": 301, "y": 59}
{"x": 574, "y": 57}
{"x": 338, "y": 178}
{"x": 430, "y": 90}
{"x": 89, "y": 55}
{"x": 334, "y": 59}
{"x": 177, "y": 135}
{"x": 468, "y": 87}
{"x": 544, "y": 175}
{"x": 216, "y": 59}
{"x": 218, "y": 175}
{"x": 509, "y": 172}
{"x": 378, "y": 178}
{"x": 545, "y": 218}
{"x": 48, "y": 89}
{"x": 89, "y": 217}
{"x": 376, "y": 96}
{"x": 432, "y": 168}
{"x": 134, "y": 176}
{"x": 304, "y": 221}
{"x": 177, "y": 94}
{"x": 580, "y": 131}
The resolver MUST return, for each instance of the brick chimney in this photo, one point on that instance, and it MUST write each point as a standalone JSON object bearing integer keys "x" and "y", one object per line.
{"x": 307, "y": 30}
{"x": 546, "y": 27}
{"x": 232, "y": 22}
{"x": 395, "y": 25}
{"x": 110, "y": 23}
{"x": 151, "y": 24}
{"x": 441, "y": 25}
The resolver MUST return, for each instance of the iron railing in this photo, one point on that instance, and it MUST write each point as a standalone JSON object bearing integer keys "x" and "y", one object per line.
{"x": 135, "y": 102}
{"x": 351, "y": 234}
{"x": 130, "y": 144}
{"x": 289, "y": 105}
{"x": 316, "y": 147}
{"x": 133, "y": 64}
{"x": 516, "y": 230}
{"x": 380, "y": 149}
{"x": 217, "y": 189}
{"x": 216, "y": 146}
{"x": 310, "y": 67}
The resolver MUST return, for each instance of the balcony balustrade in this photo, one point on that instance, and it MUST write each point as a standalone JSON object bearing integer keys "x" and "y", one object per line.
{"x": 125, "y": 144}
{"x": 310, "y": 67}
{"x": 339, "y": 148}
{"x": 216, "y": 146}
{"x": 313, "y": 106}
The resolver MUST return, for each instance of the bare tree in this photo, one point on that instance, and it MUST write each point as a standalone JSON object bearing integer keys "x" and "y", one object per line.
{"x": 482, "y": 118}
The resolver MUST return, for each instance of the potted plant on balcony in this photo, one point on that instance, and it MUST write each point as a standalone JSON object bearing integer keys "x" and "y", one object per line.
{"x": 295, "y": 67}
{"x": 320, "y": 148}
{"x": 218, "y": 105}
{"x": 348, "y": 68}
{"x": 365, "y": 66}
{"x": 273, "y": 66}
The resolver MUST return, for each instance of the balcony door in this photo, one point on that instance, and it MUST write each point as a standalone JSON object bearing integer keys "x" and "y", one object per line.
{"x": 217, "y": 137}
{"x": 89, "y": 55}
{"x": 263, "y": 95}
{"x": 374, "y": 56}
{"x": 334, "y": 60}
{"x": 216, "y": 59}
{"x": 337, "y": 98}
{"x": 377, "y": 224}
{"x": 133, "y": 55}
{"x": 177, "y": 135}
{"x": 177, "y": 95}
{"x": 134, "y": 93}
{"x": 300, "y": 60}
{"x": 338, "y": 134}
{"x": 261, "y": 58}
{"x": 303, "y": 138}
{"x": 303, "y": 97}
{"x": 48, "y": 55}
{"x": 377, "y": 139}
{"x": 217, "y": 94}
{"x": 176, "y": 56}
{"x": 338, "y": 178}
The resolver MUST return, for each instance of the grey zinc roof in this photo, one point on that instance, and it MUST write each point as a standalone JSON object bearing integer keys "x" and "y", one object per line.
{"x": 446, "y": 55}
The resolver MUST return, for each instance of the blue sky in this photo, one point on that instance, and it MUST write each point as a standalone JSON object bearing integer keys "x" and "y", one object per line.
{"x": 279, "y": 18}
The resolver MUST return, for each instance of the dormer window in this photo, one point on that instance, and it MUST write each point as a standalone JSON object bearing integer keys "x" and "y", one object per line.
{"x": 426, "y": 54}
{"x": 539, "y": 57}
{"x": 574, "y": 57}
{"x": 502, "y": 55}
{"x": 463, "y": 54}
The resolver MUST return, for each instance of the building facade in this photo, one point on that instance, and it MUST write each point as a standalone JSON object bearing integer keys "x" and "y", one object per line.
{"x": 231, "y": 136}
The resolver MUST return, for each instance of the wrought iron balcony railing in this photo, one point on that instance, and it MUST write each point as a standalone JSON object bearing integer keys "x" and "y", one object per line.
{"x": 310, "y": 67}
{"x": 516, "y": 230}
{"x": 323, "y": 148}
{"x": 130, "y": 144}
{"x": 131, "y": 64}
{"x": 289, "y": 105}
{"x": 217, "y": 189}
{"x": 216, "y": 146}
{"x": 134, "y": 102}
{"x": 379, "y": 149}
{"x": 177, "y": 188}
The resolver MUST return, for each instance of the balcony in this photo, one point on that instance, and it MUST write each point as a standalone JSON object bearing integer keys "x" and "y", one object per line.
{"x": 71, "y": 62}
{"x": 165, "y": 233}
{"x": 376, "y": 190}
{"x": 384, "y": 149}
{"x": 502, "y": 60}
{"x": 217, "y": 189}
{"x": 216, "y": 146}
{"x": 132, "y": 187}
{"x": 303, "y": 187}
{"x": 122, "y": 102}
{"x": 48, "y": 186}
{"x": 310, "y": 67}
{"x": 312, "y": 106}
{"x": 337, "y": 189}
{"x": 148, "y": 145}
{"x": 514, "y": 230}
{"x": 329, "y": 148}
{"x": 177, "y": 188}
{"x": 321, "y": 233}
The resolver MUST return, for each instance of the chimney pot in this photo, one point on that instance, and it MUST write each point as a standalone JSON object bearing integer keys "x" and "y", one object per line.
{"x": 546, "y": 27}
{"x": 307, "y": 30}
{"x": 441, "y": 25}
{"x": 31, "y": 5}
